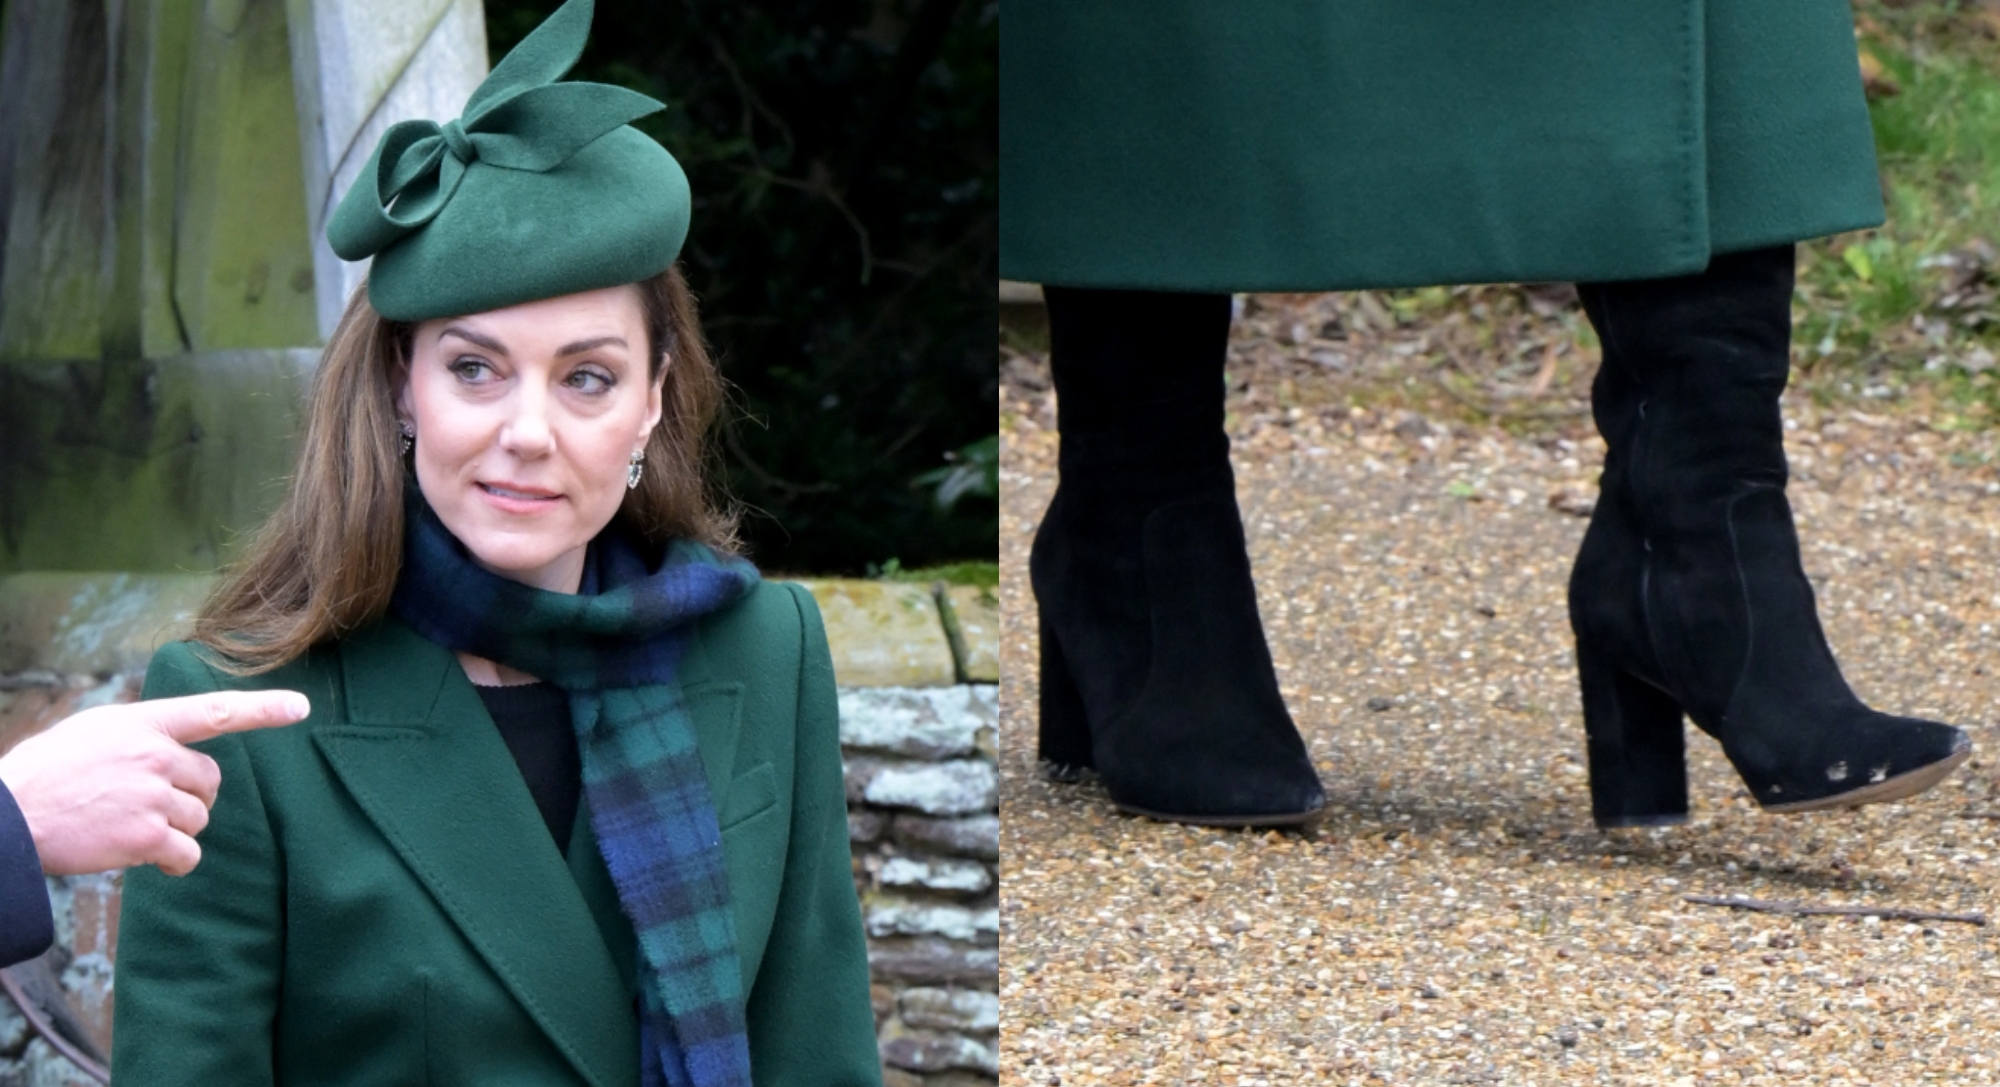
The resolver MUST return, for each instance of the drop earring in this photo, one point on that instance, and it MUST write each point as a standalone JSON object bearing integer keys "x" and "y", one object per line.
{"x": 407, "y": 438}
{"x": 634, "y": 469}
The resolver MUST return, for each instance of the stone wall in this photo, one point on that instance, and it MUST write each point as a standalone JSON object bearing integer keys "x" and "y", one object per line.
{"x": 917, "y": 668}
{"x": 919, "y": 714}
{"x": 924, "y": 824}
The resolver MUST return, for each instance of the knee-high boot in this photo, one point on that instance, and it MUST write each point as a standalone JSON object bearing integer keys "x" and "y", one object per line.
{"x": 1688, "y": 596}
{"x": 1155, "y": 671}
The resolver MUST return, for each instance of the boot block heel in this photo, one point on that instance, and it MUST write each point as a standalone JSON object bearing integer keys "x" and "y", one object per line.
{"x": 1063, "y": 736}
{"x": 1638, "y": 748}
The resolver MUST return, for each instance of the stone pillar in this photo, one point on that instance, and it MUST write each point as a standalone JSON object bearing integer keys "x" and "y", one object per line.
{"x": 153, "y": 199}
{"x": 360, "y": 66}
{"x": 166, "y": 169}
{"x": 165, "y": 172}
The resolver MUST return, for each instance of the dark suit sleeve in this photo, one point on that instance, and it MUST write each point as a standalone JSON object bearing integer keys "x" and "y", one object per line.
{"x": 199, "y": 956}
{"x": 811, "y": 1024}
{"x": 27, "y": 928}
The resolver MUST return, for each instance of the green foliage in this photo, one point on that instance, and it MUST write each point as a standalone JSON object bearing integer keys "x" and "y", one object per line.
{"x": 842, "y": 156}
{"x": 974, "y": 470}
{"x": 981, "y": 575}
{"x": 1918, "y": 294}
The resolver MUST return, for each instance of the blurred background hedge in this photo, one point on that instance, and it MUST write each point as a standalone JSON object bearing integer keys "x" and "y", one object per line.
{"x": 842, "y": 155}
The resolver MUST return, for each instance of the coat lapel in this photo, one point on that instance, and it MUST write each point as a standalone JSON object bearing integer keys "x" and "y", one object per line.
{"x": 419, "y": 754}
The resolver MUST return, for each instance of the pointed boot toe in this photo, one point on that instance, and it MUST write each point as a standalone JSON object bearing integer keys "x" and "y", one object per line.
{"x": 1880, "y": 759}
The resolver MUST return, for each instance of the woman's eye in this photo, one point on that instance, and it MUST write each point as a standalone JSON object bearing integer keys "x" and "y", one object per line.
{"x": 469, "y": 368}
{"x": 590, "y": 381}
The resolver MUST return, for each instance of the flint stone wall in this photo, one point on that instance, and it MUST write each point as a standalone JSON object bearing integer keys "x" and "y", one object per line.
{"x": 919, "y": 712}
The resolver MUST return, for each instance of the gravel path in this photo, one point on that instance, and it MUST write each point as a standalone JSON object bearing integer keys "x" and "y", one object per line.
{"x": 1456, "y": 918}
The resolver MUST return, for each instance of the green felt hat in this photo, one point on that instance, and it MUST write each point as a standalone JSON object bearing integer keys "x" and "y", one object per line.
{"x": 541, "y": 189}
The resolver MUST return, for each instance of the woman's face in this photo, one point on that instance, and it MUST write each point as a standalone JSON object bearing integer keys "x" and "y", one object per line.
{"x": 526, "y": 419}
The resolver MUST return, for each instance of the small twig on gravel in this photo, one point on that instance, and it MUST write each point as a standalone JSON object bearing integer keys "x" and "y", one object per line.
{"x": 1800, "y": 909}
{"x": 1979, "y": 815}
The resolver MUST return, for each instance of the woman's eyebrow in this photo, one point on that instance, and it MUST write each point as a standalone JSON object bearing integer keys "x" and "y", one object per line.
{"x": 581, "y": 346}
{"x": 487, "y": 342}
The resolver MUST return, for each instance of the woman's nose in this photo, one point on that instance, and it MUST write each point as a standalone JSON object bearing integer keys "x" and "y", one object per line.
{"x": 527, "y": 433}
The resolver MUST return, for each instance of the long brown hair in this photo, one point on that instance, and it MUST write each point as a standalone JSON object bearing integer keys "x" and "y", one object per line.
{"x": 326, "y": 562}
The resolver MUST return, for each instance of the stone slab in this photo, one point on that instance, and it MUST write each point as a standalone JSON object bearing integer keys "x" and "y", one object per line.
{"x": 917, "y": 722}
{"x": 857, "y": 772}
{"x": 935, "y": 1051}
{"x": 929, "y": 960}
{"x": 895, "y": 915}
{"x": 154, "y": 465}
{"x": 951, "y": 1009}
{"x": 93, "y": 624}
{"x": 242, "y": 273}
{"x": 28, "y": 708}
{"x": 973, "y": 620}
{"x": 958, "y": 787}
{"x": 954, "y": 1078}
{"x": 42, "y": 1066}
{"x": 359, "y": 67}
{"x": 14, "y": 1030}
{"x": 940, "y": 874}
{"x": 883, "y": 634}
{"x": 970, "y": 836}
{"x": 864, "y": 826}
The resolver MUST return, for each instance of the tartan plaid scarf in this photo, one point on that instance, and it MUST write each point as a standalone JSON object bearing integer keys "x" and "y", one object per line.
{"x": 614, "y": 647}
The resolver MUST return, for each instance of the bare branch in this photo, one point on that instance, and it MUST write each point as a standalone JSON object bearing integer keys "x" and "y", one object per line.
{"x": 1800, "y": 909}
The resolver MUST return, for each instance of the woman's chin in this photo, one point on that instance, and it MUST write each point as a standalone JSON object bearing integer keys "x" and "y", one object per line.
{"x": 555, "y": 568}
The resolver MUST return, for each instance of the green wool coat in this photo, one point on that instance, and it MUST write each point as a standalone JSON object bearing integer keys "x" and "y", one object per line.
{"x": 379, "y": 901}
{"x": 1191, "y": 145}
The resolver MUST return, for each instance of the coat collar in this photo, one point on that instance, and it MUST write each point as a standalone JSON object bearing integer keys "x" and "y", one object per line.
{"x": 418, "y": 752}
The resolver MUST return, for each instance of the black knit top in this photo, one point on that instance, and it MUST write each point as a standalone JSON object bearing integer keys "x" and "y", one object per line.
{"x": 535, "y": 723}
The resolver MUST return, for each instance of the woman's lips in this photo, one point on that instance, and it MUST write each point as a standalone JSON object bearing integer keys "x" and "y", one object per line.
{"x": 516, "y": 499}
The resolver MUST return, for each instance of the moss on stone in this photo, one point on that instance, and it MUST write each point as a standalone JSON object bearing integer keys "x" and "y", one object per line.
{"x": 143, "y": 465}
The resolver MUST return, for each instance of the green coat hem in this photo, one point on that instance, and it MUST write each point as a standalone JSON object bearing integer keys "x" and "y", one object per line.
{"x": 1378, "y": 143}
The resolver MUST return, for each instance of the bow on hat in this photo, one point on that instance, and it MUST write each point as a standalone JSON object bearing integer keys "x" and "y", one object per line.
{"x": 520, "y": 118}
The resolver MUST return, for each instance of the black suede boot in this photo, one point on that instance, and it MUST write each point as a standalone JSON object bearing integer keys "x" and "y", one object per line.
{"x": 1155, "y": 671}
{"x": 1688, "y": 595}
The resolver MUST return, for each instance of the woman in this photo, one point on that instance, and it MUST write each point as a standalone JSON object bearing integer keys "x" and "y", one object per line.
{"x": 568, "y": 808}
{"x": 1665, "y": 155}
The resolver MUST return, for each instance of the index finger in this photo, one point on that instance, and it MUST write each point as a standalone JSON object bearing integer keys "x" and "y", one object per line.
{"x": 194, "y": 718}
